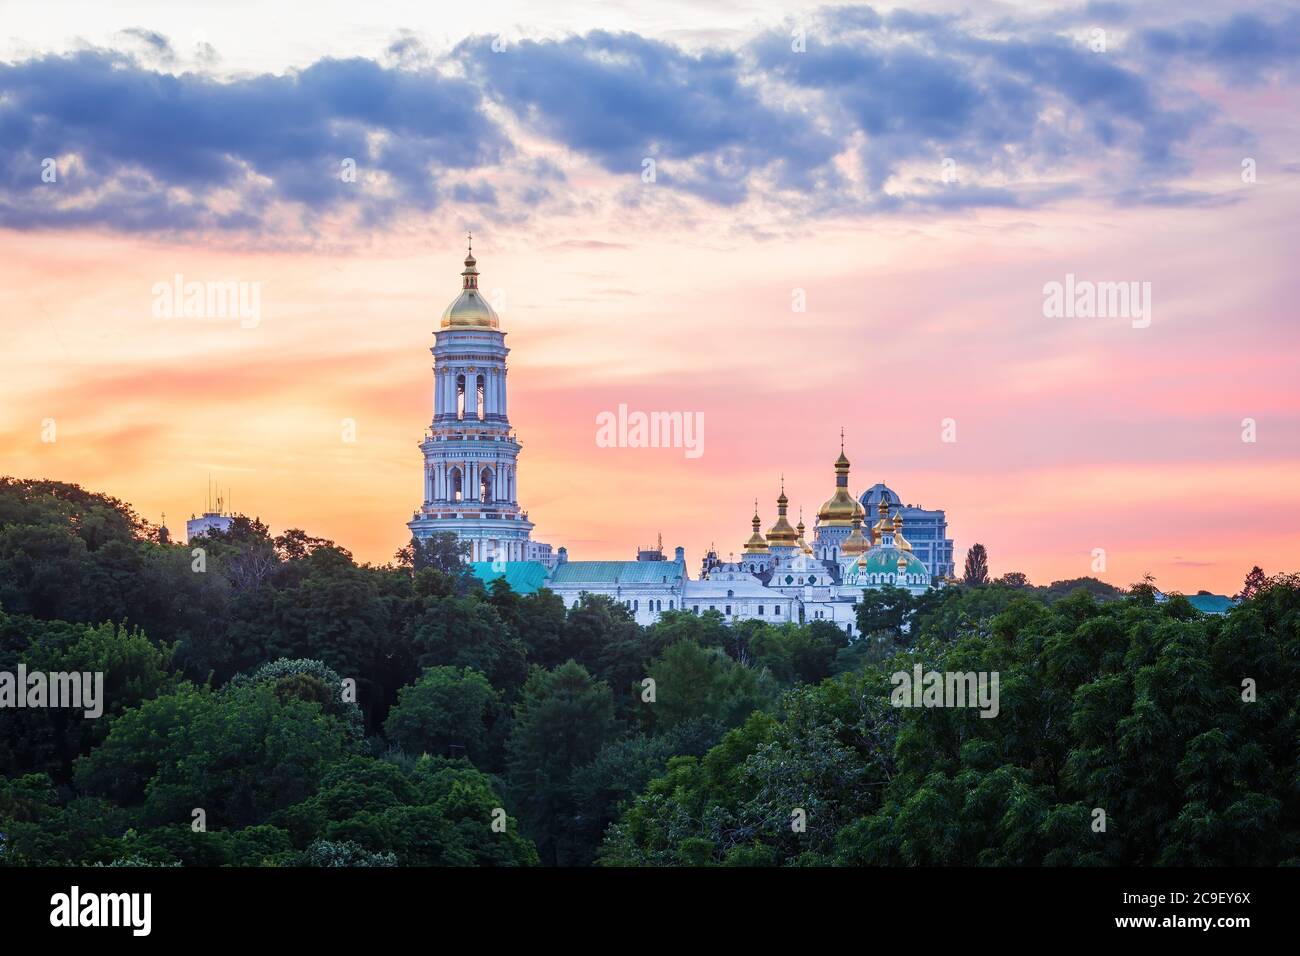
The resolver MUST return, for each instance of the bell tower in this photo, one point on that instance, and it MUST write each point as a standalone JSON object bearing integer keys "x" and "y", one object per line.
{"x": 470, "y": 485}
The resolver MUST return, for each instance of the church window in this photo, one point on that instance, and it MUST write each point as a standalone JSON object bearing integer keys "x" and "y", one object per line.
{"x": 695, "y": 608}
{"x": 789, "y": 579}
{"x": 485, "y": 485}
{"x": 456, "y": 489}
{"x": 776, "y": 610}
{"x": 760, "y": 610}
{"x": 460, "y": 397}
{"x": 636, "y": 605}
{"x": 728, "y": 609}
{"x": 480, "y": 403}
{"x": 670, "y": 605}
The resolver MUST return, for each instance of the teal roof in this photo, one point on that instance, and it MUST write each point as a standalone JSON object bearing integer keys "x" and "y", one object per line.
{"x": 524, "y": 577}
{"x": 617, "y": 572}
{"x": 882, "y": 560}
{"x": 1211, "y": 603}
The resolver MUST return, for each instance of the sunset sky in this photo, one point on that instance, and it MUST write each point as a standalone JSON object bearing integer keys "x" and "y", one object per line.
{"x": 206, "y": 140}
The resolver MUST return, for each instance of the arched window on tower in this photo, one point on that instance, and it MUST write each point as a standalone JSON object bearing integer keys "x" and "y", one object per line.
{"x": 455, "y": 485}
{"x": 460, "y": 397}
{"x": 480, "y": 400}
{"x": 485, "y": 485}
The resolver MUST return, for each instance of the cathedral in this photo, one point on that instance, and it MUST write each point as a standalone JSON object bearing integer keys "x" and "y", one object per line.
{"x": 470, "y": 489}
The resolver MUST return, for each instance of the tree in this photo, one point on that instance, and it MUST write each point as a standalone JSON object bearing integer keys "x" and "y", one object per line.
{"x": 561, "y": 722}
{"x": 468, "y": 632}
{"x": 693, "y": 682}
{"x": 427, "y": 812}
{"x": 1013, "y": 579}
{"x": 621, "y": 771}
{"x": 443, "y": 551}
{"x": 240, "y": 754}
{"x": 977, "y": 565}
{"x": 1255, "y": 582}
{"x": 795, "y": 653}
{"x": 132, "y": 669}
{"x": 447, "y": 712}
{"x": 884, "y": 611}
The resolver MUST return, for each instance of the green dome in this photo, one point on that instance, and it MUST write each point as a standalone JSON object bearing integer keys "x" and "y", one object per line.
{"x": 880, "y": 566}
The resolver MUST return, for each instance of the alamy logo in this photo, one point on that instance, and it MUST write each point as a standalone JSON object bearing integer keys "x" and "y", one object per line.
{"x": 651, "y": 430}
{"x": 946, "y": 689}
{"x": 228, "y": 299}
{"x": 102, "y": 909}
{"x": 78, "y": 691}
{"x": 1084, "y": 299}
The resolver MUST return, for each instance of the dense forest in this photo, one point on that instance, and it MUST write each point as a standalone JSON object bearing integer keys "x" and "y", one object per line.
{"x": 270, "y": 702}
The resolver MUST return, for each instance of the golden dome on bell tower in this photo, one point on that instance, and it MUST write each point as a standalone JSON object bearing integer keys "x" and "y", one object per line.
{"x": 470, "y": 310}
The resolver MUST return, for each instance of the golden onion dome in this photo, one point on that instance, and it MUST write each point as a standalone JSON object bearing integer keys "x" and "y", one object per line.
{"x": 470, "y": 310}
{"x": 756, "y": 544}
{"x": 840, "y": 509}
{"x": 855, "y": 543}
{"x": 803, "y": 545}
{"x": 901, "y": 543}
{"x": 781, "y": 535}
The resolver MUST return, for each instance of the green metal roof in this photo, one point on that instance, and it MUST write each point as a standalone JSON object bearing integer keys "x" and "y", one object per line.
{"x": 524, "y": 577}
{"x": 617, "y": 572}
{"x": 882, "y": 560}
{"x": 1211, "y": 603}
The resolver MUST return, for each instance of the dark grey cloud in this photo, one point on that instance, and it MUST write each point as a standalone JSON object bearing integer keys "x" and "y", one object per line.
{"x": 1245, "y": 46}
{"x": 922, "y": 88}
{"x": 621, "y": 98}
{"x": 154, "y": 149}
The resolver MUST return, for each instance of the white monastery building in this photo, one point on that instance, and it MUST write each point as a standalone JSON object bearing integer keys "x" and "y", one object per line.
{"x": 470, "y": 489}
